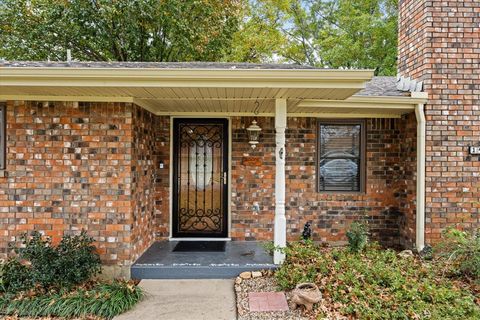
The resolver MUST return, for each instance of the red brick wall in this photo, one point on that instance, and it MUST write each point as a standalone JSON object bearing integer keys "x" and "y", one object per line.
{"x": 92, "y": 166}
{"x": 162, "y": 193}
{"x": 445, "y": 38}
{"x": 408, "y": 181}
{"x": 387, "y": 201}
{"x": 68, "y": 169}
{"x": 252, "y": 184}
{"x": 413, "y": 51}
{"x": 145, "y": 167}
{"x": 96, "y": 166}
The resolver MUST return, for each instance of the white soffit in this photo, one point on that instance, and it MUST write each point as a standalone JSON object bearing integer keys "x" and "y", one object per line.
{"x": 181, "y": 84}
{"x": 309, "y": 92}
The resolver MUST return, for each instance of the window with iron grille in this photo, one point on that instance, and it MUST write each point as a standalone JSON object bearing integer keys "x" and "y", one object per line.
{"x": 341, "y": 156}
{"x": 3, "y": 139}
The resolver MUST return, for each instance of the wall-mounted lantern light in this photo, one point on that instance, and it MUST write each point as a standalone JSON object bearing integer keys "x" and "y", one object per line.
{"x": 253, "y": 130}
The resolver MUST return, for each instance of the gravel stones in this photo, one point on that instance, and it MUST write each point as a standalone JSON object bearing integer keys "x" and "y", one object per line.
{"x": 261, "y": 282}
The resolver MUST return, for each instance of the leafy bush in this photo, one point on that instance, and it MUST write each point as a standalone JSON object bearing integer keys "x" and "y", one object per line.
{"x": 384, "y": 286}
{"x": 376, "y": 284}
{"x": 104, "y": 300}
{"x": 14, "y": 277}
{"x": 77, "y": 259}
{"x": 39, "y": 264}
{"x": 357, "y": 236}
{"x": 299, "y": 265}
{"x": 269, "y": 247}
{"x": 460, "y": 253}
{"x": 38, "y": 254}
{"x": 51, "y": 281}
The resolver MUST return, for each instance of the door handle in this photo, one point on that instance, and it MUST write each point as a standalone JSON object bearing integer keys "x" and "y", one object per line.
{"x": 224, "y": 177}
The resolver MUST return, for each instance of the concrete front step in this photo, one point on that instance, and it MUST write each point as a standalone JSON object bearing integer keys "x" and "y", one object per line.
{"x": 184, "y": 299}
{"x": 159, "y": 262}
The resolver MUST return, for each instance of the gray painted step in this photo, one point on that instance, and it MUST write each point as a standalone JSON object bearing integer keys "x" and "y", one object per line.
{"x": 159, "y": 262}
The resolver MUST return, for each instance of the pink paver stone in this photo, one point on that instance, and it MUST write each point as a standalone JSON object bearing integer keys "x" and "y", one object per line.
{"x": 267, "y": 301}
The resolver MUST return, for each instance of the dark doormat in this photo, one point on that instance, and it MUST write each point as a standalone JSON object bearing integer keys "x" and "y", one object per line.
{"x": 200, "y": 246}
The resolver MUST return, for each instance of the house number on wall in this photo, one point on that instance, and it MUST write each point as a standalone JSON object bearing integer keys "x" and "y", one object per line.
{"x": 475, "y": 150}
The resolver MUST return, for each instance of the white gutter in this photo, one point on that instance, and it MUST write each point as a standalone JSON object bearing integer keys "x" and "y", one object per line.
{"x": 421, "y": 150}
{"x": 183, "y": 77}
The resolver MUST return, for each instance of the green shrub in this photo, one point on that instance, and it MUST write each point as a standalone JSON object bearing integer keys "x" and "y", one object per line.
{"x": 299, "y": 265}
{"x": 39, "y": 264}
{"x": 104, "y": 300}
{"x": 41, "y": 258}
{"x": 460, "y": 253}
{"x": 77, "y": 260}
{"x": 385, "y": 286}
{"x": 357, "y": 236}
{"x": 376, "y": 284}
{"x": 14, "y": 277}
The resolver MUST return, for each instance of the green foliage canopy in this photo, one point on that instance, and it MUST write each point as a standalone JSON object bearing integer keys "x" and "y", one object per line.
{"x": 340, "y": 33}
{"x": 103, "y": 30}
{"x": 260, "y": 37}
{"x": 322, "y": 33}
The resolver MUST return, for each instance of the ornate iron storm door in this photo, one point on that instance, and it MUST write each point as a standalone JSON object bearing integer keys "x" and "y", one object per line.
{"x": 200, "y": 186}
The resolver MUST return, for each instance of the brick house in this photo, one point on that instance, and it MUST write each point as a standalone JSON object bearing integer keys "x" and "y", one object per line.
{"x": 136, "y": 153}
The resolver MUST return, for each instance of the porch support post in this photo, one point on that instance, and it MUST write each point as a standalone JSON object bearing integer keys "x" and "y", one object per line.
{"x": 420, "y": 213}
{"x": 280, "y": 231}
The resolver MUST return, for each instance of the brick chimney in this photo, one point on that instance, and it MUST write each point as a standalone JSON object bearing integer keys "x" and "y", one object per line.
{"x": 439, "y": 44}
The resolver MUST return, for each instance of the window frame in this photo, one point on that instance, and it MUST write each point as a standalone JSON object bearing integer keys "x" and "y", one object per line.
{"x": 3, "y": 138}
{"x": 363, "y": 153}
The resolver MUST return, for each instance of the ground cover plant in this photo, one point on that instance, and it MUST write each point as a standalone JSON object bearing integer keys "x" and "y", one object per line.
{"x": 377, "y": 283}
{"x": 104, "y": 300}
{"x": 459, "y": 254}
{"x": 43, "y": 279}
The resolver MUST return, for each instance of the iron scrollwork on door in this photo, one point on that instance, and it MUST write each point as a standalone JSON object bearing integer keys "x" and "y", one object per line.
{"x": 201, "y": 178}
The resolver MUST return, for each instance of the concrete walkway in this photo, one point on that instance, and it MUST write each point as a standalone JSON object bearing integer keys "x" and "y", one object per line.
{"x": 185, "y": 299}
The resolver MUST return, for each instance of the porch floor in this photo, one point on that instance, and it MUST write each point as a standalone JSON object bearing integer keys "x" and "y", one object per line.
{"x": 160, "y": 262}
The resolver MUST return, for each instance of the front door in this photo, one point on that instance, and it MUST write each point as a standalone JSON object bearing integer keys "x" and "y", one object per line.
{"x": 200, "y": 186}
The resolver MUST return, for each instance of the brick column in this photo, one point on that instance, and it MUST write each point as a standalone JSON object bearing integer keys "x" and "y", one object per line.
{"x": 439, "y": 44}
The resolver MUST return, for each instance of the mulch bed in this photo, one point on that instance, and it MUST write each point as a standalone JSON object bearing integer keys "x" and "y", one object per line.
{"x": 266, "y": 283}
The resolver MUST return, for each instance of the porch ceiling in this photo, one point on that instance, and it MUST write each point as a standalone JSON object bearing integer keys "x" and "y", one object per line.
{"x": 177, "y": 91}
